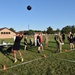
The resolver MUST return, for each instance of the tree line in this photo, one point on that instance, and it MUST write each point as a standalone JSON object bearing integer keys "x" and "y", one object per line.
{"x": 50, "y": 30}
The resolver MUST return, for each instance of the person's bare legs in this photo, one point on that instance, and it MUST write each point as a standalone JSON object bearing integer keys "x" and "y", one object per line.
{"x": 15, "y": 60}
{"x": 39, "y": 49}
{"x": 25, "y": 47}
{"x": 42, "y": 48}
{"x": 71, "y": 46}
{"x": 14, "y": 54}
{"x": 20, "y": 55}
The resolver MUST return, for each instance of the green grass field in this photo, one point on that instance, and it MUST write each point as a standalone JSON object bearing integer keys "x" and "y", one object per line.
{"x": 35, "y": 63}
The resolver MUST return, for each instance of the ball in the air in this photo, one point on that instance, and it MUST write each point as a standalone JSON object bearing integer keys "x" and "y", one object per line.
{"x": 29, "y": 7}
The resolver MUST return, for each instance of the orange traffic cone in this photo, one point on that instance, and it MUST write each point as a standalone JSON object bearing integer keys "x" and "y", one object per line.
{"x": 44, "y": 55}
{"x": 4, "y": 67}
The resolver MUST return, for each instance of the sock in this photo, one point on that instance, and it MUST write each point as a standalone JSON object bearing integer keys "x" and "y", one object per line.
{"x": 14, "y": 58}
{"x": 21, "y": 57}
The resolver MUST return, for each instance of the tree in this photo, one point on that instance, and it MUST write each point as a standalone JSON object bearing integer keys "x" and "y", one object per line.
{"x": 49, "y": 30}
{"x": 44, "y": 32}
{"x": 12, "y": 29}
{"x": 73, "y": 29}
{"x": 57, "y": 30}
{"x": 30, "y": 32}
{"x": 66, "y": 29}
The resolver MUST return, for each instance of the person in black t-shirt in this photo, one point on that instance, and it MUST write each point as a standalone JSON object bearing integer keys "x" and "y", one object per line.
{"x": 16, "y": 46}
{"x": 63, "y": 37}
{"x": 71, "y": 40}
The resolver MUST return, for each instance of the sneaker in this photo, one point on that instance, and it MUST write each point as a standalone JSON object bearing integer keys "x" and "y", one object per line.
{"x": 38, "y": 51}
{"x": 22, "y": 59}
{"x": 15, "y": 60}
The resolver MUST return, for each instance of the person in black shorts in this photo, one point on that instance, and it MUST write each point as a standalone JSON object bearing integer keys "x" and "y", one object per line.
{"x": 38, "y": 43}
{"x": 16, "y": 46}
{"x": 71, "y": 40}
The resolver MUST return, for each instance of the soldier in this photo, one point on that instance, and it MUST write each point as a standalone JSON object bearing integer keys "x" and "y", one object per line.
{"x": 59, "y": 41}
{"x": 46, "y": 41}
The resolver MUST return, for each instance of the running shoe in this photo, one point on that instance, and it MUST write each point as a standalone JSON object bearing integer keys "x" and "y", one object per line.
{"x": 15, "y": 60}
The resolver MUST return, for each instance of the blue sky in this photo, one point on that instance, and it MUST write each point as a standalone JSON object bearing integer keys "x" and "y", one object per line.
{"x": 44, "y": 13}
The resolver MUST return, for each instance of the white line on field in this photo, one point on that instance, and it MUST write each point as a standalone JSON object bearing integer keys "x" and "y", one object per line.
{"x": 66, "y": 60}
{"x": 21, "y": 64}
{"x": 35, "y": 60}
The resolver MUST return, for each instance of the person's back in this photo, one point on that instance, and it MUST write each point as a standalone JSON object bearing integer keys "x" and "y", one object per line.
{"x": 40, "y": 38}
{"x": 18, "y": 39}
{"x": 58, "y": 39}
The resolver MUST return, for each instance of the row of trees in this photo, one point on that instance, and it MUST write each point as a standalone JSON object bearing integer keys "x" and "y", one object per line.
{"x": 50, "y": 30}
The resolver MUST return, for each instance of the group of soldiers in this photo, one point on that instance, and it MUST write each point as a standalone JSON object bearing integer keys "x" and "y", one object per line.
{"x": 60, "y": 40}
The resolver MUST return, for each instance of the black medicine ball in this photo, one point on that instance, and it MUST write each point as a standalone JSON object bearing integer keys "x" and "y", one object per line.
{"x": 29, "y": 7}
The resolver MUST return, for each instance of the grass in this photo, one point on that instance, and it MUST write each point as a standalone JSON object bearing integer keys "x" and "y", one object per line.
{"x": 52, "y": 65}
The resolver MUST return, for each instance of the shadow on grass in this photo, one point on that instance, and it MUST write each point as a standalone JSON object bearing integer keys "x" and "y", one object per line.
{"x": 35, "y": 51}
{"x": 50, "y": 49}
{"x": 31, "y": 48}
{"x": 4, "y": 52}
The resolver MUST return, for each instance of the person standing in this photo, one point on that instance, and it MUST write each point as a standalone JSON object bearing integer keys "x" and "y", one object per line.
{"x": 63, "y": 37}
{"x": 35, "y": 37}
{"x": 59, "y": 41}
{"x": 31, "y": 42}
{"x": 38, "y": 42}
{"x": 16, "y": 46}
{"x": 25, "y": 43}
{"x": 46, "y": 41}
{"x": 41, "y": 42}
{"x": 71, "y": 40}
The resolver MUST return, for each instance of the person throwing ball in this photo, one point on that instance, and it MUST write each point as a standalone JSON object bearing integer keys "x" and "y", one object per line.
{"x": 16, "y": 46}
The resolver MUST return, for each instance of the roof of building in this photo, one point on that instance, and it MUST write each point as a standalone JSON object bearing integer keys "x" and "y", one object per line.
{"x": 5, "y": 28}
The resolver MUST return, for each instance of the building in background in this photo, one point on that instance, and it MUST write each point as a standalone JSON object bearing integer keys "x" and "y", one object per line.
{"x": 6, "y": 33}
